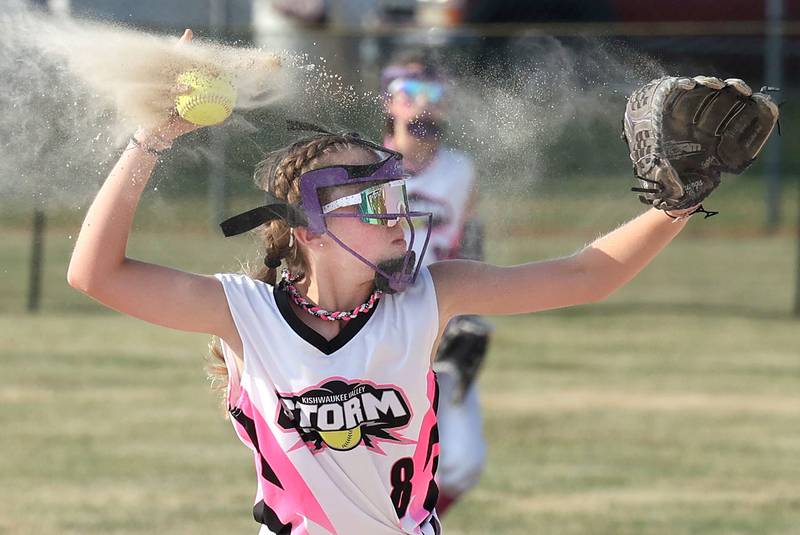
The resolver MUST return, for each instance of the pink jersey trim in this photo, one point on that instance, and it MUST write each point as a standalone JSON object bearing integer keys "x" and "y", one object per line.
{"x": 425, "y": 458}
{"x": 295, "y": 502}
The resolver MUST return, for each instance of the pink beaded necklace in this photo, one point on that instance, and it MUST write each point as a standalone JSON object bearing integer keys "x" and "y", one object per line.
{"x": 287, "y": 284}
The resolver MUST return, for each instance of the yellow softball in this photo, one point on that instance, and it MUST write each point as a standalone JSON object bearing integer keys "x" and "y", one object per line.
{"x": 344, "y": 440}
{"x": 210, "y": 99}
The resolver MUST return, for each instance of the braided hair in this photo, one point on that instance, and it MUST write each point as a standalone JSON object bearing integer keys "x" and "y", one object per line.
{"x": 279, "y": 174}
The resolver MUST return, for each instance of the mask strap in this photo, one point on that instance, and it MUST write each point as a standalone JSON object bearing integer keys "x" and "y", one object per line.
{"x": 274, "y": 209}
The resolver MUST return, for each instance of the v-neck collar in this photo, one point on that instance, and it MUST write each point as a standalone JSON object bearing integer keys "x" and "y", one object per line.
{"x": 351, "y": 328}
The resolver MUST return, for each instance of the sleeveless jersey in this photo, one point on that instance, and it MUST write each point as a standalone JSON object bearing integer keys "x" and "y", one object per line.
{"x": 443, "y": 188}
{"x": 343, "y": 431}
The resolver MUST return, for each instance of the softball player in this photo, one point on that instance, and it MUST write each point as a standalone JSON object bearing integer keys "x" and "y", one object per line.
{"x": 329, "y": 368}
{"x": 443, "y": 183}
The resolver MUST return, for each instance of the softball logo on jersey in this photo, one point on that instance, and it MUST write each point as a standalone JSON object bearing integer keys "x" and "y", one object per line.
{"x": 341, "y": 415}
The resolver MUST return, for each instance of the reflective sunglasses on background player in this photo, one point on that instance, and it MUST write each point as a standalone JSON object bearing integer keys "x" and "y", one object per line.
{"x": 382, "y": 199}
{"x": 433, "y": 91}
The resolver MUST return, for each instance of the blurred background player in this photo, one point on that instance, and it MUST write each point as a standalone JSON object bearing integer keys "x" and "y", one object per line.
{"x": 442, "y": 182}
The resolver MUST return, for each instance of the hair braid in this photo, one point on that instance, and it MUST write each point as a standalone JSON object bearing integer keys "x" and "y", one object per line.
{"x": 279, "y": 173}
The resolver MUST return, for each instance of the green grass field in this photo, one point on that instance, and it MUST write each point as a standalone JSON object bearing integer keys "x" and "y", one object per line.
{"x": 672, "y": 408}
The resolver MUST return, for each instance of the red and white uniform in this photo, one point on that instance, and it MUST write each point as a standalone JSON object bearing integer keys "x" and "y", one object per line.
{"x": 444, "y": 188}
{"x": 344, "y": 432}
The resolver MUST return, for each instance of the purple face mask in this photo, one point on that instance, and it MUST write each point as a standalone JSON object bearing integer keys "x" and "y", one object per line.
{"x": 392, "y": 276}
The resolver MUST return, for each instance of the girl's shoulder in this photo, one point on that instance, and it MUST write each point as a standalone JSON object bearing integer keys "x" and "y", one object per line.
{"x": 242, "y": 279}
{"x": 418, "y": 297}
{"x": 239, "y": 286}
{"x": 414, "y": 310}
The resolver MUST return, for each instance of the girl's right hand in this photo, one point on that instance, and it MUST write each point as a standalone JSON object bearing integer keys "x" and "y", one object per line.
{"x": 101, "y": 268}
{"x": 160, "y": 137}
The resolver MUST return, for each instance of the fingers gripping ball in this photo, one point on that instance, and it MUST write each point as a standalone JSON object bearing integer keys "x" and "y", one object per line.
{"x": 683, "y": 133}
{"x": 210, "y": 99}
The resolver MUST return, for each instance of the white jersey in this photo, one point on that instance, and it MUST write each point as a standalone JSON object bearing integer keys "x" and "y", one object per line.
{"x": 443, "y": 188}
{"x": 344, "y": 431}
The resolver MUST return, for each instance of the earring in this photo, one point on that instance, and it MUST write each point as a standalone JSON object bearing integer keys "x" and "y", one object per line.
{"x": 291, "y": 237}
{"x": 322, "y": 245}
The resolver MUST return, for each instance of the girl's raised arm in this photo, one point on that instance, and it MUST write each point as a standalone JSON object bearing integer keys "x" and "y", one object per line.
{"x": 100, "y": 268}
{"x": 587, "y": 276}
